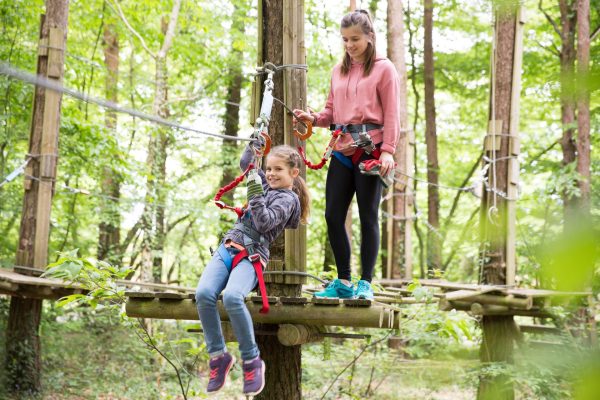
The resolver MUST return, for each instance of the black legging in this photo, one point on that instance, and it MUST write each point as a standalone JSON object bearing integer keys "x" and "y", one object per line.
{"x": 342, "y": 183}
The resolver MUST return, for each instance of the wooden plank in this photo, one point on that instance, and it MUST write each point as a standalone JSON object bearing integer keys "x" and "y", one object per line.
{"x": 162, "y": 286}
{"x": 357, "y": 302}
{"x": 293, "y": 300}
{"x": 270, "y": 299}
{"x": 465, "y": 294}
{"x": 170, "y": 295}
{"x": 56, "y": 44}
{"x": 138, "y": 295}
{"x": 321, "y": 301}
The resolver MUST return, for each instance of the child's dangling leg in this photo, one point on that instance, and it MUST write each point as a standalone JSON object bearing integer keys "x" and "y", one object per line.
{"x": 241, "y": 282}
{"x": 212, "y": 282}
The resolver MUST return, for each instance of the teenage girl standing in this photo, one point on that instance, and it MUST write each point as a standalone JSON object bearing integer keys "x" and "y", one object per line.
{"x": 363, "y": 97}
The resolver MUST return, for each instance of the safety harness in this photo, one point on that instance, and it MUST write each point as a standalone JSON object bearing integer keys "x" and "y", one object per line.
{"x": 360, "y": 135}
{"x": 252, "y": 238}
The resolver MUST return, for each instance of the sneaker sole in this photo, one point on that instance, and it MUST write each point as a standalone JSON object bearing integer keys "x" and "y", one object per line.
{"x": 231, "y": 364}
{"x": 263, "y": 382}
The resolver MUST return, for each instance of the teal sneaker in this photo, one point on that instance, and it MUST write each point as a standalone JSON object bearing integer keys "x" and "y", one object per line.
{"x": 364, "y": 290}
{"x": 336, "y": 289}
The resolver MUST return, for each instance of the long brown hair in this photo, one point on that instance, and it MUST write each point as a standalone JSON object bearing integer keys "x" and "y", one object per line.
{"x": 293, "y": 160}
{"x": 362, "y": 19}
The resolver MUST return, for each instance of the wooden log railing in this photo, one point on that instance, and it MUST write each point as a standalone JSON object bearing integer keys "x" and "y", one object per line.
{"x": 301, "y": 311}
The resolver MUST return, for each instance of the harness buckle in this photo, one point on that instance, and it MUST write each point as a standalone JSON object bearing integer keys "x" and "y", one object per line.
{"x": 364, "y": 142}
{"x": 254, "y": 257}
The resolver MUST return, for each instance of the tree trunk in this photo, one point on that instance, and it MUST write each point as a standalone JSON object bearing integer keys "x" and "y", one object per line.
{"x": 229, "y": 150}
{"x": 434, "y": 260}
{"x": 110, "y": 216}
{"x": 23, "y": 350}
{"x": 497, "y": 344}
{"x": 400, "y": 246}
{"x": 583, "y": 105}
{"x": 568, "y": 18}
{"x": 282, "y": 41}
{"x": 153, "y": 216}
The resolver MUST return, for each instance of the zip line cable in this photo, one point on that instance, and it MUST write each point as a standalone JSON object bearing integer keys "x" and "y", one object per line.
{"x": 6, "y": 69}
{"x": 17, "y": 171}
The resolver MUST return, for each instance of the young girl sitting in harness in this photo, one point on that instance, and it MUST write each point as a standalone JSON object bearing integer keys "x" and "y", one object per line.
{"x": 277, "y": 200}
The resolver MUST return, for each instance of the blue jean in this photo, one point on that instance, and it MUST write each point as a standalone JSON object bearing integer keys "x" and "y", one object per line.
{"x": 237, "y": 285}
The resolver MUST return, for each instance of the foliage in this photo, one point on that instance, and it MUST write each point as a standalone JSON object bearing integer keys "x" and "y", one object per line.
{"x": 100, "y": 280}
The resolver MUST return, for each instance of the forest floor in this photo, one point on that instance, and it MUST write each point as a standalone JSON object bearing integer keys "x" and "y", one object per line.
{"x": 88, "y": 356}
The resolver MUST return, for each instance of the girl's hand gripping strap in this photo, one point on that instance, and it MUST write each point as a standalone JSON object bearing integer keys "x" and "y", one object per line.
{"x": 326, "y": 156}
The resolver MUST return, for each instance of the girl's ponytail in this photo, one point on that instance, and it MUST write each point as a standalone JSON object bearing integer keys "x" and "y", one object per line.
{"x": 301, "y": 190}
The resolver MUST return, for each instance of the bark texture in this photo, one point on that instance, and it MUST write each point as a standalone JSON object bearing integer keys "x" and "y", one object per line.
{"x": 434, "y": 260}
{"x": 110, "y": 217}
{"x": 23, "y": 348}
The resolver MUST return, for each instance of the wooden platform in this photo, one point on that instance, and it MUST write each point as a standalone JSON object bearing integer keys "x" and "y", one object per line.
{"x": 150, "y": 300}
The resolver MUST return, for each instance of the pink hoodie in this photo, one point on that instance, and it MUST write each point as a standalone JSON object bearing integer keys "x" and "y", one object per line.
{"x": 358, "y": 99}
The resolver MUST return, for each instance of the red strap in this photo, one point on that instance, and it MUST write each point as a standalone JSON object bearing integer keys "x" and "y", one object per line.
{"x": 334, "y": 138}
{"x": 229, "y": 187}
{"x": 308, "y": 163}
{"x": 255, "y": 260}
{"x": 359, "y": 152}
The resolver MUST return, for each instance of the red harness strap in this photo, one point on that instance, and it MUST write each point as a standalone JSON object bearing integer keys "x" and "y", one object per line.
{"x": 255, "y": 260}
{"x": 334, "y": 138}
{"x": 359, "y": 152}
{"x": 238, "y": 210}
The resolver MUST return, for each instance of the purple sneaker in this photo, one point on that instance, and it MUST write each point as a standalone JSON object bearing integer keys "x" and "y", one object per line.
{"x": 219, "y": 368}
{"x": 254, "y": 376}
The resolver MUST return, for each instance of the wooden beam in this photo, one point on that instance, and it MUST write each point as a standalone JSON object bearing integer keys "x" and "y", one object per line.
{"x": 310, "y": 314}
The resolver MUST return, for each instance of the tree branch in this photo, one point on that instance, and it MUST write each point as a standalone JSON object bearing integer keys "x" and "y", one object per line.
{"x": 168, "y": 42}
{"x": 595, "y": 33}
{"x": 549, "y": 18}
{"x": 177, "y": 222}
{"x": 466, "y": 226}
{"x": 117, "y": 8}
{"x": 541, "y": 153}
{"x": 552, "y": 50}
{"x": 460, "y": 192}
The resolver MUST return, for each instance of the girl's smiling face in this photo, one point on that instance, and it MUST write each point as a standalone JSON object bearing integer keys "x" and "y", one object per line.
{"x": 279, "y": 174}
{"x": 355, "y": 42}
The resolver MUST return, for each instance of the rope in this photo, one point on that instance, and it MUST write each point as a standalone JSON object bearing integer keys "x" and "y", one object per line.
{"x": 230, "y": 186}
{"x": 6, "y": 69}
{"x": 297, "y": 273}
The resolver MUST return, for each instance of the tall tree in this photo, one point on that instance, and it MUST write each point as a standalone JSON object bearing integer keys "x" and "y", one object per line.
{"x": 568, "y": 106}
{"x": 434, "y": 260}
{"x": 399, "y": 247}
{"x": 109, "y": 229}
{"x": 153, "y": 216}
{"x": 232, "y": 107}
{"x": 583, "y": 104}
{"x": 497, "y": 215}
{"x": 279, "y": 43}
{"x": 23, "y": 347}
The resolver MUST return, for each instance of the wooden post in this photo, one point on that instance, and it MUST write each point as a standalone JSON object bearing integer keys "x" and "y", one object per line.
{"x": 23, "y": 351}
{"x": 399, "y": 206}
{"x": 281, "y": 36}
{"x": 498, "y": 208}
